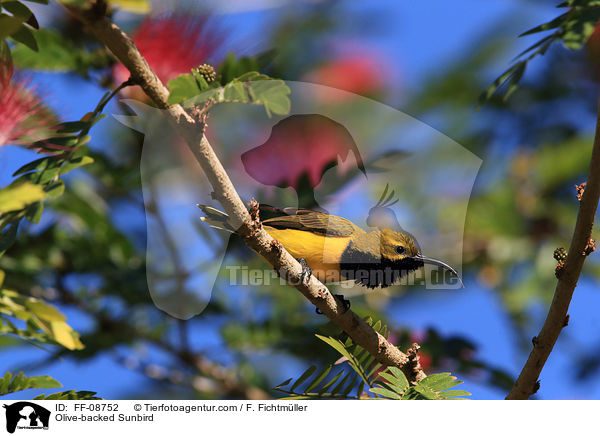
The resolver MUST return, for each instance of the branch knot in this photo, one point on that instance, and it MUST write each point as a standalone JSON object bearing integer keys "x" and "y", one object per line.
{"x": 580, "y": 189}
{"x": 590, "y": 247}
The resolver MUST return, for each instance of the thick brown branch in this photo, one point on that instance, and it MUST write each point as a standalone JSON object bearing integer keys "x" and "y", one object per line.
{"x": 527, "y": 383}
{"x": 252, "y": 232}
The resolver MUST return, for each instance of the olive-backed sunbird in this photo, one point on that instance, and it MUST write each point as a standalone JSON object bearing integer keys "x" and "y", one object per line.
{"x": 337, "y": 250}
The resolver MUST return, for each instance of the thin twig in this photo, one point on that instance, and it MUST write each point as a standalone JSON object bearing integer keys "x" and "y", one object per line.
{"x": 251, "y": 231}
{"x": 527, "y": 383}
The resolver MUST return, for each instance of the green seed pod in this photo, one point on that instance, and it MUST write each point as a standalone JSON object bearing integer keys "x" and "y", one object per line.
{"x": 208, "y": 72}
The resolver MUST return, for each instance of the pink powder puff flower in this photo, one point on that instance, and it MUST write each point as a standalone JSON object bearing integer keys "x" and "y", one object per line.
{"x": 362, "y": 74}
{"x": 172, "y": 45}
{"x": 24, "y": 119}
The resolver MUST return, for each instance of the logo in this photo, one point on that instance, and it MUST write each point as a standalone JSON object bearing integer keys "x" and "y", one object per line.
{"x": 26, "y": 415}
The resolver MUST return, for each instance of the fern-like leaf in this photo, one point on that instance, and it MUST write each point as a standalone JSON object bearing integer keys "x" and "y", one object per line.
{"x": 573, "y": 28}
{"x": 367, "y": 378}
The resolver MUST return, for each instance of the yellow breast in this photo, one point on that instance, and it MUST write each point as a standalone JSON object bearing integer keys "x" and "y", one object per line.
{"x": 322, "y": 253}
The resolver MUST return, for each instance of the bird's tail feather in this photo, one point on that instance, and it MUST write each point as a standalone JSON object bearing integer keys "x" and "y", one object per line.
{"x": 215, "y": 218}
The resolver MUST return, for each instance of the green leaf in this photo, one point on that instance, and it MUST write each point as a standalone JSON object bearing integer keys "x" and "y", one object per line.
{"x": 412, "y": 394}
{"x": 73, "y": 126}
{"x": 7, "y": 238}
{"x": 398, "y": 384}
{"x": 233, "y": 67}
{"x": 44, "y": 311}
{"x": 272, "y": 94}
{"x": 285, "y": 383}
{"x": 17, "y": 9}
{"x": 318, "y": 379}
{"x": 65, "y": 335}
{"x": 350, "y": 385}
{"x": 24, "y": 35}
{"x": 395, "y": 386}
{"x": 75, "y": 3}
{"x": 352, "y": 360}
{"x": 235, "y": 91}
{"x": 9, "y": 25}
{"x": 386, "y": 393}
{"x": 250, "y": 87}
{"x": 44, "y": 322}
{"x": 377, "y": 325}
{"x": 69, "y": 395}
{"x": 298, "y": 397}
{"x": 582, "y": 3}
{"x": 38, "y": 165}
{"x": 68, "y": 141}
{"x": 331, "y": 382}
{"x": 574, "y": 29}
{"x": 555, "y": 23}
{"x": 55, "y": 189}
{"x": 303, "y": 377}
{"x": 341, "y": 384}
{"x": 362, "y": 356}
{"x": 374, "y": 369}
{"x": 16, "y": 196}
{"x": 397, "y": 372}
{"x": 54, "y": 53}
{"x": 5, "y": 55}
{"x": 337, "y": 345}
{"x": 19, "y": 382}
{"x": 34, "y": 212}
{"x": 426, "y": 392}
{"x": 454, "y": 393}
{"x": 433, "y": 387}
{"x": 38, "y": 177}
{"x": 135, "y": 6}
{"x": 182, "y": 88}
{"x": 440, "y": 382}
{"x": 500, "y": 80}
{"x": 201, "y": 82}
{"x": 361, "y": 389}
{"x": 75, "y": 163}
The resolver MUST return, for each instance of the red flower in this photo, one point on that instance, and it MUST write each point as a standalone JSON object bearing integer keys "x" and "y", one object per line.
{"x": 23, "y": 118}
{"x": 301, "y": 145}
{"x": 358, "y": 73}
{"x": 172, "y": 45}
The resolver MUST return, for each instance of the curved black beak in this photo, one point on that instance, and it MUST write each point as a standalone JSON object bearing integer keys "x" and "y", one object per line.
{"x": 432, "y": 261}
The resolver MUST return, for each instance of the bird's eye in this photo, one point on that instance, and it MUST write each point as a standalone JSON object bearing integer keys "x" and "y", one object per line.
{"x": 400, "y": 249}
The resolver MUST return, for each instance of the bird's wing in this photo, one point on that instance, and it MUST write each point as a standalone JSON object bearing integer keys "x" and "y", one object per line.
{"x": 315, "y": 222}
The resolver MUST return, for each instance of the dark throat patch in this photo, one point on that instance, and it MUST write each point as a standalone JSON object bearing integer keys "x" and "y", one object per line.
{"x": 373, "y": 271}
